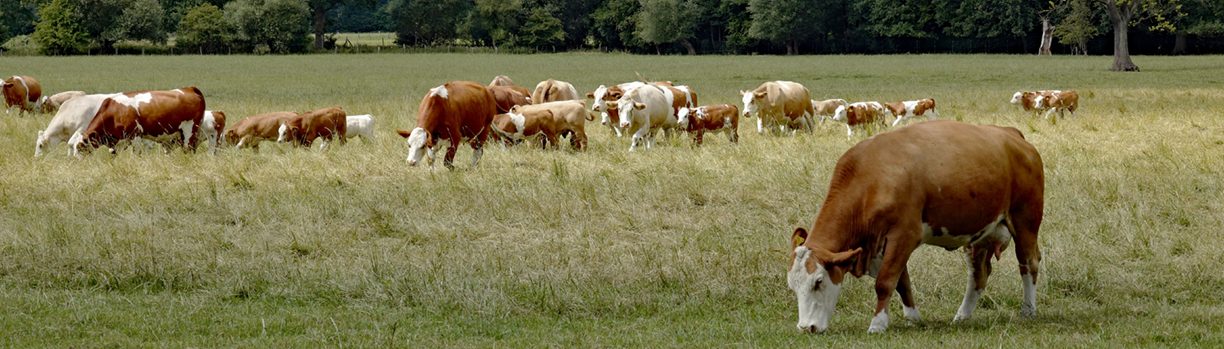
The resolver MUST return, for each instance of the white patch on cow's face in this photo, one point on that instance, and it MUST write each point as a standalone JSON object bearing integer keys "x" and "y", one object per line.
{"x": 750, "y": 106}
{"x": 134, "y": 101}
{"x": 1016, "y": 98}
{"x": 416, "y": 141}
{"x": 682, "y": 117}
{"x": 599, "y": 104}
{"x": 281, "y": 133}
{"x": 626, "y": 114}
{"x": 817, "y": 295}
{"x": 440, "y": 91}
{"x": 840, "y": 113}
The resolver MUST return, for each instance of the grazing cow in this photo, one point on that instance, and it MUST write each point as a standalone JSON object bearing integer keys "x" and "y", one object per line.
{"x": 1033, "y": 102}
{"x": 72, "y": 118}
{"x": 941, "y": 183}
{"x": 712, "y": 118}
{"x": 909, "y": 109}
{"x": 360, "y": 125}
{"x": 508, "y": 97}
{"x": 149, "y": 114}
{"x": 563, "y": 118}
{"x": 643, "y": 111}
{"x": 249, "y": 131}
{"x": 680, "y": 97}
{"x": 554, "y": 91}
{"x": 52, "y": 104}
{"x": 860, "y": 114}
{"x": 1061, "y": 101}
{"x": 22, "y": 92}
{"x": 827, "y": 108}
{"x": 456, "y": 112}
{"x": 780, "y": 105}
{"x": 211, "y": 127}
{"x": 501, "y": 80}
{"x": 607, "y": 95}
{"x": 331, "y": 124}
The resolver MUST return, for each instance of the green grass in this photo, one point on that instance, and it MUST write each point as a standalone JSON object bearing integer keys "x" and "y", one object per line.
{"x": 672, "y": 246}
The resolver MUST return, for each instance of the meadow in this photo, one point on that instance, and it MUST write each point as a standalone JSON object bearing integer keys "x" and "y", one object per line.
{"x": 666, "y": 247}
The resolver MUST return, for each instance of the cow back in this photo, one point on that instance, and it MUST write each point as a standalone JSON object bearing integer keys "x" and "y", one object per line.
{"x": 464, "y": 107}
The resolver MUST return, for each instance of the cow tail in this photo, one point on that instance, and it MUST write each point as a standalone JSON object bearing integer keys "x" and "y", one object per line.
{"x": 590, "y": 115}
{"x": 548, "y": 85}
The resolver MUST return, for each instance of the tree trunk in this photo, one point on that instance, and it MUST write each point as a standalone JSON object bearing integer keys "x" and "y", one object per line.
{"x": 688, "y": 46}
{"x": 1047, "y": 37}
{"x": 1121, "y": 22}
{"x": 792, "y": 47}
{"x": 320, "y": 26}
{"x": 1179, "y": 44}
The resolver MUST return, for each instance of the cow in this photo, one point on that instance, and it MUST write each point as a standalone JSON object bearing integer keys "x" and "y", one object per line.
{"x": 72, "y": 118}
{"x": 22, "y": 92}
{"x": 941, "y": 183}
{"x": 360, "y": 125}
{"x": 509, "y": 96}
{"x": 249, "y": 131}
{"x": 780, "y": 105}
{"x": 680, "y": 97}
{"x": 827, "y": 108}
{"x": 52, "y": 104}
{"x": 1061, "y": 102}
{"x": 909, "y": 109}
{"x": 501, "y": 80}
{"x": 643, "y": 111}
{"x": 563, "y": 118}
{"x": 605, "y": 95}
{"x": 711, "y": 118}
{"x": 1033, "y": 102}
{"x": 455, "y": 112}
{"x": 554, "y": 91}
{"x": 149, "y": 114}
{"x": 211, "y": 127}
{"x": 330, "y": 124}
{"x": 860, "y": 114}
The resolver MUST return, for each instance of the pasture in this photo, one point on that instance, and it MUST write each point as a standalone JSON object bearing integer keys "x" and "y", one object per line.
{"x": 665, "y": 247}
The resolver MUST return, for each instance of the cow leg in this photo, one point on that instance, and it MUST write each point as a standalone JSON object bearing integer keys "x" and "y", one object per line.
{"x": 978, "y": 258}
{"x": 1024, "y": 225}
{"x": 849, "y": 131}
{"x": 897, "y": 121}
{"x": 639, "y": 136}
{"x": 896, "y": 255}
{"x": 760, "y": 124}
{"x": 906, "y": 290}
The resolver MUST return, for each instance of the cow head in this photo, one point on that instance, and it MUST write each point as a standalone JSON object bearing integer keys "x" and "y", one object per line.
{"x": 284, "y": 134}
{"x": 841, "y": 113}
{"x": 626, "y": 107}
{"x": 751, "y": 98}
{"x": 816, "y": 275}
{"x": 420, "y": 143}
{"x": 1017, "y": 98}
{"x": 682, "y": 117}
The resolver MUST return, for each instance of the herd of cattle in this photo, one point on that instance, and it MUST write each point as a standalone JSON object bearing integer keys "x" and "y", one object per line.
{"x": 458, "y": 112}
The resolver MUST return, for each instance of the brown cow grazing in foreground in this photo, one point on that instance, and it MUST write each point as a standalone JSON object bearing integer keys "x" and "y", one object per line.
{"x": 456, "y": 112}
{"x": 710, "y": 118}
{"x": 330, "y": 124}
{"x": 909, "y": 109}
{"x": 148, "y": 114}
{"x": 941, "y": 183}
{"x": 1061, "y": 102}
{"x": 52, "y": 104}
{"x": 563, "y": 118}
{"x": 22, "y": 92}
{"x": 249, "y": 131}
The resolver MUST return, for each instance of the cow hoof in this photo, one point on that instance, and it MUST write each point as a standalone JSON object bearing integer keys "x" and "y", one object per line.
{"x": 912, "y": 314}
{"x": 960, "y": 318}
{"x": 879, "y": 323}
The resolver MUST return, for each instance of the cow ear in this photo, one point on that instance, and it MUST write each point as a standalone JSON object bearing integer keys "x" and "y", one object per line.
{"x": 798, "y": 237}
{"x": 742, "y": 92}
{"x": 591, "y": 95}
{"x": 760, "y": 94}
{"x": 837, "y": 259}
{"x": 639, "y": 106}
{"x": 403, "y": 133}
{"x": 514, "y": 110}
{"x": 547, "y": 113}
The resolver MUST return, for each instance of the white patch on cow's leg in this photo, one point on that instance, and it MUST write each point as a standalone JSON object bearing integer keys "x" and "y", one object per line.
{"x": 760, "y": 125}
{"x": 879, "y": 322}
{"x": 1029, "y": 307}
{"x": 972, "y": 294}
{"x": 476, "y": 156}
{"x": 186, "y": 127}
{"x": 911, "y": 314}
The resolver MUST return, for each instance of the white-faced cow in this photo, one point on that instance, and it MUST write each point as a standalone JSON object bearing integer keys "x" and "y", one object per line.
{"x": 250, "y": 131}
{"x": 1060, "y": 101}
{"x": 71, "y": 119}
{"x": 52, "y": 104}
{"x": 563, "y": 118}
{"x": 604, "y": 96}
{"x": 554, "y": 91}
{"x": 329, "y": 124}
{"x": 941, "y": 183}
{"x": 456, "y": 112}
{"x": 827, "y": 108}
{"x": 1033, "y": 102}
{"x": 148, "y": 114}
{"x": 643, "y": 111}
{"x": 861, "y": 115}
{"x": 711, "y": 118}
{"x": 909, "y": 109}
{"x": 779, "y": 105}
{"x": 22, "y": 92}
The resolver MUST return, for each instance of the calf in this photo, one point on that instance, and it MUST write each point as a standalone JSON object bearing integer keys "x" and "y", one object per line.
{"x": 331, "y": 124}
{"x": 1061, "y": 101}
{"x": 827, "y": 108}
{"x": 249, "y": 131}
{"x": 1034, "y": 102}
{"x": 567, "y": 118}
{"x": 941, "y": 183}
{"x": 860, "y": 115}
{"x": 211, "y": 127}
{"x": 71, "y": 119}
{"x": 360, "y": 125}
{"x": 52, "y": 104}
{"x": 528, "y": 125}
{"x": 22, "y": 92}
{"x": 712, "y": 118}
{"x": 909, "y": 109}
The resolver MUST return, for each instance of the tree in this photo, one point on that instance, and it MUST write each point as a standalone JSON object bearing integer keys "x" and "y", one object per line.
{"x": 203, "y": 29}
{"x": 320, "y": 8}
{"x": 542, "y": 29}
{"x": 17, "y": 17}
{"x": 101, "y": 20}
{"x": 785, "y": 22}
{"x": 59, "y": 31}
{"x": 1203, "y": 19}
{"x": 613, "y": 23}
{"x": 1078, "y": 27}
{"x": 277, "y": 26}
{"x": 1046, "y": 10}
{"x": 667, "y": 21}
{"x": 142, "y": 20}
{"x": 496, "y": 18}
{"x": 427, "y": 21}
{"x": 1124, "y": 13}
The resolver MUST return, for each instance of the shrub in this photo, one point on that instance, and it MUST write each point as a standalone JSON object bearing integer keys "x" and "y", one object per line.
{"x": 281, "y": 25}
{"x": 60, "y": 32}
{"x": 203, "y": 29}
{"x": 22, "y": 44}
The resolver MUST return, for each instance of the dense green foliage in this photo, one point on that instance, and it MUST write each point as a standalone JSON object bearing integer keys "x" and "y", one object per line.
{"x": 269, "y": 26}
{"x": 203, "y": 30}
{"x": 60, "y": 32}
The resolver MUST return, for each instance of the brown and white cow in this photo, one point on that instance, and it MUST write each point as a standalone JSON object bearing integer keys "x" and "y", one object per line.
{"x": 249, "y": 131}
{"x": 149, "y": 114}
{"x": 710, "y": 118}
{"x": 330, "y": 124}
{"x": 22, "y": 92}
{"x": 909, "y": 109}
{"x": 563, "y": 118}
{"x": 860, "y": 114}
{"x": 526, "y": 126}
{"x": 780, "y": 105}
{"x": 211, "y": 127}
{"x": 1061, "y": 101}
{"x": 827, "y": 108}
{"x": 69, "y": 121}
{"x": 608, "y": 95}
{"x": 1034, "y": 102}
{"x": 508, "y": 97}
{"x": 554, "y": 91}
{"x": 52, "y": 104}
{"x": 941, "y": 183}
{"x": 456, "y": 112}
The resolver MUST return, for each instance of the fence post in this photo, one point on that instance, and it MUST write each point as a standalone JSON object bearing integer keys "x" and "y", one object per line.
{"x": 142, "y": 51}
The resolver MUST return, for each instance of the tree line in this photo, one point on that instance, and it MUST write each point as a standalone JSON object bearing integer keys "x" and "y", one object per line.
{"x": 640, "y": 26}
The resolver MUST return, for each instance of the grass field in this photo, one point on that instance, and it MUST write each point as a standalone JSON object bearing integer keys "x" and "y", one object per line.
{"x": 667, "y": 247}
